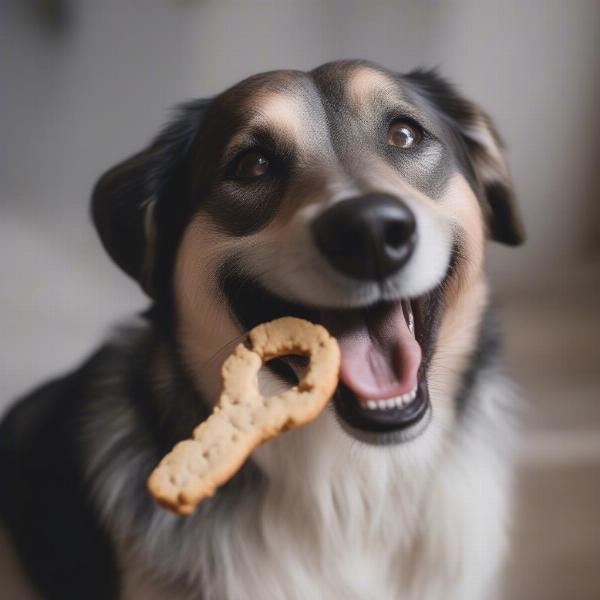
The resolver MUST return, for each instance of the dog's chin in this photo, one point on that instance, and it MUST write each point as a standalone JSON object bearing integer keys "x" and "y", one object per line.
{"x": 377, "y": 420}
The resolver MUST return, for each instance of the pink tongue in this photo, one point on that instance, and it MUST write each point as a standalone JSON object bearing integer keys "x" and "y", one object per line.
{"x": 380, "y": 356}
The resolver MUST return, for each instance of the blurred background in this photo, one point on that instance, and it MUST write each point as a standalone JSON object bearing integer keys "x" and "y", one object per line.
{"x": 84, "y": 84}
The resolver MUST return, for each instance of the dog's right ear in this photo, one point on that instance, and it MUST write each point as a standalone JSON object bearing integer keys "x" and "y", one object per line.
{"x": 124, "y": 198}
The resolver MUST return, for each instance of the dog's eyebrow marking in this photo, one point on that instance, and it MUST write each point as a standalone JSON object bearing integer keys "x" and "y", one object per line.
{"x": 281, "y": 111}
{"x": 365, "y": 82}
{"x": 371, "y": 90}
{"x": 278, "y": 113}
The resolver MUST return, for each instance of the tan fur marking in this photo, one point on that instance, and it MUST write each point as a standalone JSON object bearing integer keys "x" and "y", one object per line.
{"x": 456, "y": 342}
{"x": 364, "y": 83}
{"x": 277, "y": 111}
{"x": 466, "y": 296}
{"x": 205, "y": 329}
{"x": 283, "y": 112}
{"x": 461, "y": 206}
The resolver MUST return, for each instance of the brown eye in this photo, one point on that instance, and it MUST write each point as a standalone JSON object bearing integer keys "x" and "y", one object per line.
{"x": 403, "y": 134}
{"x": 251, "y": 166}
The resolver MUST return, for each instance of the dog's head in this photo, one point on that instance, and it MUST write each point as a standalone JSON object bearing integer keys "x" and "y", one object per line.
{"x": 351, "y": 196}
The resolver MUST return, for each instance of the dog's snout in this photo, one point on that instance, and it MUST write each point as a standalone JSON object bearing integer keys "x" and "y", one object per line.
{"x": 368, "y": 237}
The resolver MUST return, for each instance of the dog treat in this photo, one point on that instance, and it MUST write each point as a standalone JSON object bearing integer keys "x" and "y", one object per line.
{"x": 243, "y": 418}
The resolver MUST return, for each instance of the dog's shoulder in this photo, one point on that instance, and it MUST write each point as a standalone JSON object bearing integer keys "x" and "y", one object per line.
{"x": 43, "y": 498}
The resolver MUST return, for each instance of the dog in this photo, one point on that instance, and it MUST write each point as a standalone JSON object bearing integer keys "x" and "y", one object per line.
{"x": 352, "y": 196}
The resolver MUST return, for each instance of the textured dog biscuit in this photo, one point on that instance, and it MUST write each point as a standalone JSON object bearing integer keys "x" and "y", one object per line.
{"x": 243, "y": 418}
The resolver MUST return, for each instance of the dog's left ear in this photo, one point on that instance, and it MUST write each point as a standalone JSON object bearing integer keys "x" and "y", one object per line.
{"x": 127, "y": 200}
{"x": 479, "y": 141}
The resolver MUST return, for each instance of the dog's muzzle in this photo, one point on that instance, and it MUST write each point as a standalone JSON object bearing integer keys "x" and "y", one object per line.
{"x": 385, "y": 344}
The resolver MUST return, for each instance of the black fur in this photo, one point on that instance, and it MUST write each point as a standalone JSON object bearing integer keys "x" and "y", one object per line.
{"x": 504, "y": 226}
{"x": 44, "y": 500}
{"x": 156, "y": 174}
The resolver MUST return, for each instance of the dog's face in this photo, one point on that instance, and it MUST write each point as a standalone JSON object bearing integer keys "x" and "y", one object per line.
{"x": 350, "y": 196}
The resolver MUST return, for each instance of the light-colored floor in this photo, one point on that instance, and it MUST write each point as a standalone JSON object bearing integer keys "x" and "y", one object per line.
{"x": 551, "y": 343}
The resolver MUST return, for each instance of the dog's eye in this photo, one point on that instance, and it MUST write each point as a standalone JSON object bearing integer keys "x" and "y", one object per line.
{"x": 251, "y": 166}
{"x": 404, "y": 134}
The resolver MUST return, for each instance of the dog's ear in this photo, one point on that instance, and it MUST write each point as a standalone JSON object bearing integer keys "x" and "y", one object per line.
{"x": 482, "y": 150}
{"x": 125, "y": 197}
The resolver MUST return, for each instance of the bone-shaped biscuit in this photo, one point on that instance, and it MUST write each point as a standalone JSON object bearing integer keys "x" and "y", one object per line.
{"x": 243, "y": 418}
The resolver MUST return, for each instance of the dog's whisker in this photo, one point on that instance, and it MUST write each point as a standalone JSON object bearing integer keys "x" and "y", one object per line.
{"x": 226, "y": 348}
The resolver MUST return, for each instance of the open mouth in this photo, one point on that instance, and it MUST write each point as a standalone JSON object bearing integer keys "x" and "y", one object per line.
{"x": 386, "y": 349}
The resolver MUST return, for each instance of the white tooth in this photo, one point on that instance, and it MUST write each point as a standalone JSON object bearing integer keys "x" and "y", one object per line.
{"x": 391, "y": 403}
{"x": 381, "y": 404}
{"x": 398, "y": 401}
{"x": 414, "y": 393}
{"x": 371, "y": 405}
{"x": 406, "y": 399}
{"x": 410, "y": 318}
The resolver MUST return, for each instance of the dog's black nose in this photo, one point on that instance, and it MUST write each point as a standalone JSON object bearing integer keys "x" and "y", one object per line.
{"x": 369, "y": 237}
